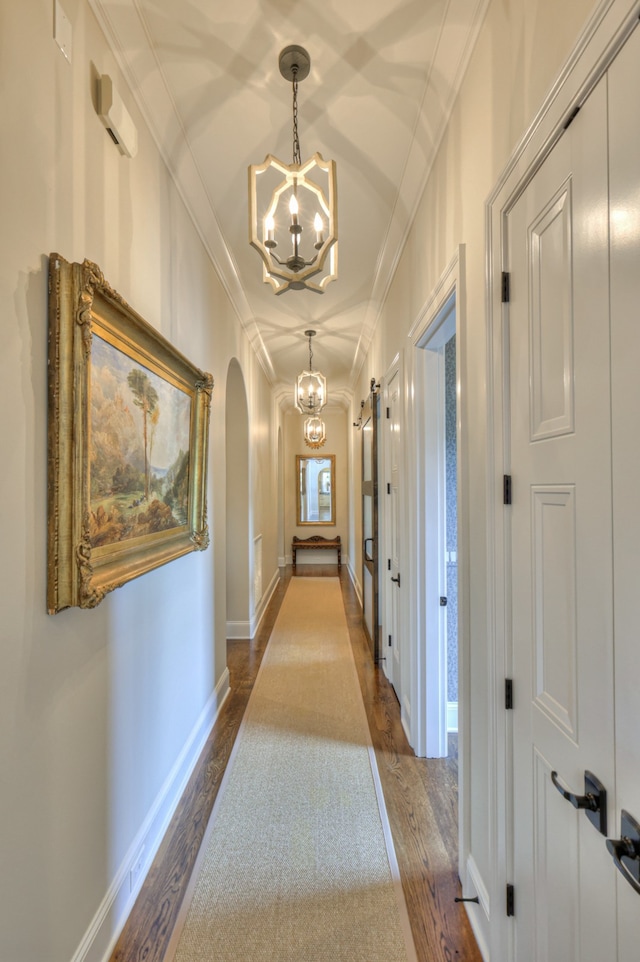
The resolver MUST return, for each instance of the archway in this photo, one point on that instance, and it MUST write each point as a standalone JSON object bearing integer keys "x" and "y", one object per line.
{"x": 237, "y": 505}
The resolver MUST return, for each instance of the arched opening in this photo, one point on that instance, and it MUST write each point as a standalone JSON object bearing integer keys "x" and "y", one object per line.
{"x": 237, "y": 505}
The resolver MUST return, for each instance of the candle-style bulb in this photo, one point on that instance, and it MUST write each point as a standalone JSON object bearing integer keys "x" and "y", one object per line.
{"x": 269, "y": 229}
{"x": 318, "y": 226}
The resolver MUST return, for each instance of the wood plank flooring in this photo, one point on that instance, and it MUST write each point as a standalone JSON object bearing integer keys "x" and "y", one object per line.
{"x": 420, "y": 794}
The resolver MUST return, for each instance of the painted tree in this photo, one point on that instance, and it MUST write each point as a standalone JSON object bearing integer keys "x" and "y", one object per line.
{"x": 145, "y": 397}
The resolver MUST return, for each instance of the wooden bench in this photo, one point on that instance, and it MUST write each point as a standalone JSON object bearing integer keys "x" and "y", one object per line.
{"x": 316, "y": 541}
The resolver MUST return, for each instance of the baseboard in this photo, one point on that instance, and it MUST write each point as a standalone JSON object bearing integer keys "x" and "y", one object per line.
{"x": 452, "y": 717}
{"x": 238, "y": 630}
{"x": 100, "y": 938}
{"x": 355, "y": 582}
{"x": 479, "y": 915}
{"x": 264, "y": 603}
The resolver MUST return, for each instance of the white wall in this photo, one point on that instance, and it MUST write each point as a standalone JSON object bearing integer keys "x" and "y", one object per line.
{"x": 101, "y": 711}
{"x": 521, "y": 48}
{"x": 336, "y": 443}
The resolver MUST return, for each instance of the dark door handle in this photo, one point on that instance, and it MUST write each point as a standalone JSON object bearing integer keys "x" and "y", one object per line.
{"x": 627, "y": 847}
{"x": 594, "y": 800}
{"x": 397, "y": 580}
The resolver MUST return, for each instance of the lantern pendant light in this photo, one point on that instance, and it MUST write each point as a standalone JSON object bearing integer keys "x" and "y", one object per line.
{"x": 315, "y": 433}
{"x": 311, "y": 387}
{"x": 293, "y": 220}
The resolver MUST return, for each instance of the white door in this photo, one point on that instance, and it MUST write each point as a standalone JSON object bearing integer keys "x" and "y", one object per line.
{"x": 391, "y": 495}
{"x": 561, "y": 546}
{"x": 624, "y": 173}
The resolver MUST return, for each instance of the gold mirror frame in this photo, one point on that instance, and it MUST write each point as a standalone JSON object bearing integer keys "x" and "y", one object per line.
{"x": 329, "y": 497}
{"x": 153, "y": 514}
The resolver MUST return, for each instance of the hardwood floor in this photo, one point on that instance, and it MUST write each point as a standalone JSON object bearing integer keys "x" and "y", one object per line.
{"x": 420, "y": 794}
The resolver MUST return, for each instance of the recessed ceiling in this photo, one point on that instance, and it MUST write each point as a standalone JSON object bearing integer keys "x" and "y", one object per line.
{"x": 384, "y": 75}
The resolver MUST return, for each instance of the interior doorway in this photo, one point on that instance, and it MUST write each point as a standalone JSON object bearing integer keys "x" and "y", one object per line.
{"x": 440, "y": 532}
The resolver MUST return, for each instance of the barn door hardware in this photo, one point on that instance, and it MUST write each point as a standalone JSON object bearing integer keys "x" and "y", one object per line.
{"x": 594, "y": 800}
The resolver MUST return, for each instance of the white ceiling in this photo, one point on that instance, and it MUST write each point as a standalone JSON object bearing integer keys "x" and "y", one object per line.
{"x": 384, "y": 74}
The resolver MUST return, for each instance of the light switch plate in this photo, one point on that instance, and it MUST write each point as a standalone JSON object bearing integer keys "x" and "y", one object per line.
{"x": 62, "y": 30}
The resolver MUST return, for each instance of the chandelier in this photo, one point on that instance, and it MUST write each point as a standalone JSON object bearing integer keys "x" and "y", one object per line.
{"x": 314, "y": 432}
{"x": 311, "y": 387}
{"x": 293, "y": 221}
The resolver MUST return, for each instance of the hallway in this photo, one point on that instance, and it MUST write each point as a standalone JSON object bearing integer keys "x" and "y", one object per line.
{"x": 420, "y": 794}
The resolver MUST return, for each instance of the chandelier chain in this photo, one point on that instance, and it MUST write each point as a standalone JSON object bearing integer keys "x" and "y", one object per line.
{"x": 310, "y": 356}
{"x": 296, "y": 141}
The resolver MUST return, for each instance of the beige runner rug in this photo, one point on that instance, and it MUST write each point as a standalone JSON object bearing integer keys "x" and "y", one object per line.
{"x": 297, "y": 864}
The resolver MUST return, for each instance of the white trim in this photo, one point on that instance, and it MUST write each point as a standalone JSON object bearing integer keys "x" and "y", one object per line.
{"x": 100, "y": 938}
{"x": 595, "y": 49}
{"x": 452, "y": 280}
{"x": 238, "y": 630}
{"x": 480, "y": 926}
{"x": 452, "y": 717}
{"x": 355, "y": 581}
{"x": 259, "y": 614}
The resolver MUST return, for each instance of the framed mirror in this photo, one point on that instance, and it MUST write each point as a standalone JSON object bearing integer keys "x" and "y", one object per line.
{"x": 316, "y": 489}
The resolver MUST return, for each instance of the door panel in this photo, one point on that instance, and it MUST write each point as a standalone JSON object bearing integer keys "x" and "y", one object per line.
{"x": 561, "y": 533}
{"x": 624, "y": 133}
{"x": 370, "y": 603}
{"x": 553, "y": 515}
{"x": 393, "y": 428}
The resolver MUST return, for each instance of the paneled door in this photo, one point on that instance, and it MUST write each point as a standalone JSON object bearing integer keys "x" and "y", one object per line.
{"x": 392, "y": 502}
{"x": 624, "y": 179}
{"x": 370, "y": 602}
{"x": 561, "y": 563}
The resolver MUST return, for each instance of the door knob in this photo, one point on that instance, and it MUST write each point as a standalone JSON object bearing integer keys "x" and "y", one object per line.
{"x": 397, "y": 580}
{"x": 625, "y": 850}
{"x": 594, "y": 800}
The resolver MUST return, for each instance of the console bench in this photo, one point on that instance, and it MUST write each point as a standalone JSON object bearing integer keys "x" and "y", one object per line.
{"x": 316, "y": 541}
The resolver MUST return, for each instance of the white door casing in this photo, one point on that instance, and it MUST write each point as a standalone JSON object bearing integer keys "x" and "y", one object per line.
{"x": 624, "y": 199}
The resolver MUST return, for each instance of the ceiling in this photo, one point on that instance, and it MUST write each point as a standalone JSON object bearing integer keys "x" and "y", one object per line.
{"x": 384, "y": 75}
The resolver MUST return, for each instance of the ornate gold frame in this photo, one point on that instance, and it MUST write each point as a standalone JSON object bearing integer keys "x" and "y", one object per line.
{"x": 82, "y": 303}
{"x": 331, "y": 458}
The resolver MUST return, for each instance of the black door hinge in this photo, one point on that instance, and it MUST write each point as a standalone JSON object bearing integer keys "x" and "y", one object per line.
{"x": 388, "y": 488}
{"x": 506, "y": 489}
{"x": 389, "y": 642}
{"x": 508, "y": 693}
{"x": 388, "y": 413}
{"x": 388, "y": 564}
{"x": 506, "y": 287}
{"x": 511, "y": 901}
{"x": 443, "y": 601}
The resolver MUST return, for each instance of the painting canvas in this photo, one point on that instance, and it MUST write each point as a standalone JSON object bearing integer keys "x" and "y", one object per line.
{"x": 139, "y": 449}
{"x": 128, "y": 429}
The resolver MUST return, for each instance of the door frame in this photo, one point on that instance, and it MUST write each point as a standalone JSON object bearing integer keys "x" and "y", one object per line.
{"x": 451, "y": 282}
{"x": 430, "y": 377}
{"x": 609, "y": 27}
{"x": 371, "y": 412}
{"x": 385, "y": 540}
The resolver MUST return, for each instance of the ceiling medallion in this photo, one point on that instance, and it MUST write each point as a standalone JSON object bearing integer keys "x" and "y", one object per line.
{"x": 293, "y": 219}
{"x": 311, "y": 387}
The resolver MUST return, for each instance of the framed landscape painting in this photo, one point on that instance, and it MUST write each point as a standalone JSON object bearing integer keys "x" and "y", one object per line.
{"x": 128, "y": 428}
